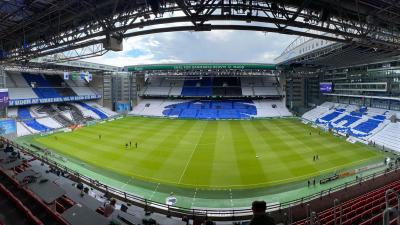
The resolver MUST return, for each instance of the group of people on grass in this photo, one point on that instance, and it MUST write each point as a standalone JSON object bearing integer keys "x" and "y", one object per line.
{"x": 126, "y": 144}
{"x": 130, "y": 145}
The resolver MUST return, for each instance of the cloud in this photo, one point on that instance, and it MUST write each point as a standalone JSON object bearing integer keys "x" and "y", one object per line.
{"x": 211, "y": 46}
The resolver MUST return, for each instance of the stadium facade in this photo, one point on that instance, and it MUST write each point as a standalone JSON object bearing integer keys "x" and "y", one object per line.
{"x": 357, "y": 77}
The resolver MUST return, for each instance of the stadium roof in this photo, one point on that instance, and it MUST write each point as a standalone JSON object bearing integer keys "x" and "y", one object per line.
{"x": 76, "y": 64}
{"x": 334, "y": 55}
{"x": 315, "y": 52}
{"x": 201, "y": 66}
{"x": 33, "y": 28}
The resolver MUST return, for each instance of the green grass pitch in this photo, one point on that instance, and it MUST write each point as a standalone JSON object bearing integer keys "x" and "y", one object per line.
{"x": 210, "y": 154}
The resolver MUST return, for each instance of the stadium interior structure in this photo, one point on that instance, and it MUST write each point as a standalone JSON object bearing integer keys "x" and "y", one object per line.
{"x": 75, "y": 134}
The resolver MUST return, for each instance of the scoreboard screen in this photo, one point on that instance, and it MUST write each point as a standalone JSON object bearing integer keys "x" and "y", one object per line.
{"x": 325, "y": 87}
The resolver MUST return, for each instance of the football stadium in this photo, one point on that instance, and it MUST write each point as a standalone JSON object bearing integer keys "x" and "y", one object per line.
{"x": 99, "y": 127}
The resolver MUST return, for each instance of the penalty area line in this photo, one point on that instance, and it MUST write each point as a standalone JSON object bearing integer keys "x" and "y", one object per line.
{"x": 126, "y": 183}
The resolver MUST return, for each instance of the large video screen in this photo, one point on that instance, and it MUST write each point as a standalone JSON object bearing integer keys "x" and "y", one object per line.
{"x": 325, "y": 87}
{"x": 4, "y": 97}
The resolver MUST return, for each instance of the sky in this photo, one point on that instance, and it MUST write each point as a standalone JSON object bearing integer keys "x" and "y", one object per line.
{"x": 191, "y": 47}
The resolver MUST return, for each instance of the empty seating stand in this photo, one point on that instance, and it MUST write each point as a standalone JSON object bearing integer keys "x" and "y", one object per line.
{"x": 360, "y": 122}
{"x": 43, "y": 89}
{"x": 369, "y": 125}
{"x": 365, "y": 210}
{"x": 25, "y": 116}
{"x": 211, "y": 86}
{"x": 207, "y": 109}
{"x": 226, "y": 86}
{"x": 59, "y": 85}
{"x": 50, "y": 110}
{"x": 97, "y": 111}
{"x": 34, "y": 208}
{"x": 13, "y": 211}
{"x": 332, "y": 115}
{"x": 33, "y": 88}
{"x": 201, "y": 87}
{"x": 389, "y": 136}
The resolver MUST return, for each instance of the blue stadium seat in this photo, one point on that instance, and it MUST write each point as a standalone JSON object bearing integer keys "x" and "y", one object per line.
{"x": 331, "y": 116}
{"x": 184, "y": 105}
{"x": 228, "y": 114}
{"x": 188, "y": 113}
{"x": 212, "y": 109}
{"x": 201, "y": 87}
{"x": 173, "y": 112}
{"x": 43, "y": 89}
{"x": 344, "y": 123}
{"x": 368, "y": 126}
{"x": 25, "y": 116}
{"x": 356, "y": 114}
{"x": 222, "y": 105}
{"x": 196, "y": 105}
{"x": 349, "y": 120}
{"x": 379, "y": 117}
{"x": 207, "y": 114}
{"x": 363, "y": 110}
{"x": 98, "y": 112}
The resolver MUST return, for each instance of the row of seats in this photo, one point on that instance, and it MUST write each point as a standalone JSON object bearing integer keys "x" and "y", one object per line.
{"x": 42, "y": 88}
{"x": 388, "y": 137}
{"x": 215, "y": 86}
{"x": 34, "y": 208}
{"x": 45, "y": 86}
{"x": 14, "y": 211}
{"x": 219, "y": 109}
{"x": 210, "y": 114}
{"x": 364, "y": 210}
{"x": 43, "y": 118}
{"x": 101, "y": 114}
{"x": 360, "y": 122}
{"x": 370, "y": 124}
{"x": 210, "y": 109}
{"x": 24, "y": 114}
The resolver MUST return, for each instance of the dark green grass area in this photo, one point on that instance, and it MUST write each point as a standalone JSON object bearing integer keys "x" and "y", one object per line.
{"x": 210, "y": 154}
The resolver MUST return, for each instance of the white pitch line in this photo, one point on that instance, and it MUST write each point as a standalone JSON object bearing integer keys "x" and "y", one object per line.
{"x": 230, "y": 193}
{"x": 187, "y": 164}
{"x": 194, "y": 197}
{"x": 190, "y": 158}
{"x": 152, "y": 194}
{"x": 129, "y": 181}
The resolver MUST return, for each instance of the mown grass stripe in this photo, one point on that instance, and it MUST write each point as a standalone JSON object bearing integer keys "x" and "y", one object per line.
{"x": 209, "y": 154}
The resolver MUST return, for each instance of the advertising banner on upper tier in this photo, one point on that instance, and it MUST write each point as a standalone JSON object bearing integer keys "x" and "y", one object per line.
{"x": 202, "y": 66}
{"x": 31, "y": 101}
